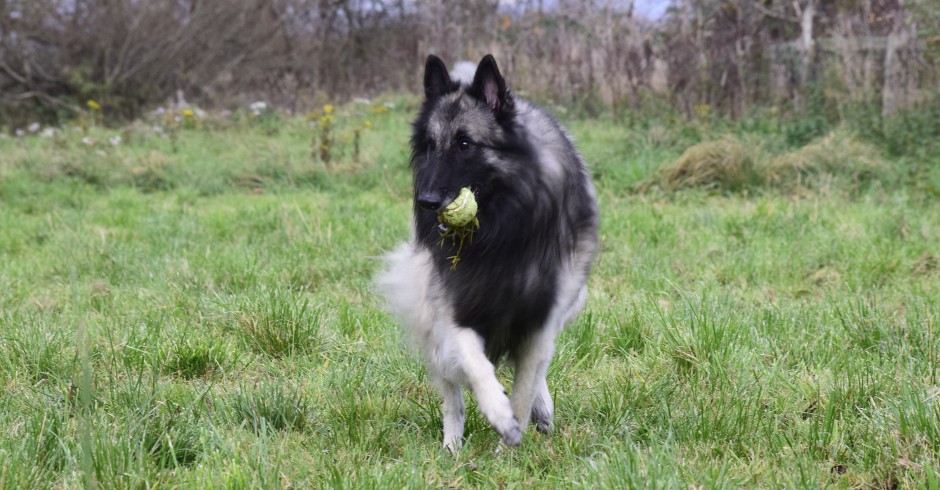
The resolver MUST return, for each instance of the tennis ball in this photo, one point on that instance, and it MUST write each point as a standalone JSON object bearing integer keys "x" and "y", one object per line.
{"x": 461, "y": 211}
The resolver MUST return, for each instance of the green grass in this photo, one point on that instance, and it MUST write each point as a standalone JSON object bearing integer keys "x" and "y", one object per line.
{"x": 203, "y": 318}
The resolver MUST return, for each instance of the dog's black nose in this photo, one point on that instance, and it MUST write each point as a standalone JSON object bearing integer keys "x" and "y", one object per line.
{"x": 430, "y": 201}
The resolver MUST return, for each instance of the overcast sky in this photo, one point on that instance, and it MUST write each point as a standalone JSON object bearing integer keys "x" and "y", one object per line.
{"x": 652, "y": 9}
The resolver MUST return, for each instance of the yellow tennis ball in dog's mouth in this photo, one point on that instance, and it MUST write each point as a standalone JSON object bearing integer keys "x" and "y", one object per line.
{"x": 461, "y": 211}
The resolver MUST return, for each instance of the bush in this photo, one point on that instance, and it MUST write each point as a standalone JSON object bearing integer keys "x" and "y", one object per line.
{"x": 911, "y": 131}
{"x": 128, "y": 54}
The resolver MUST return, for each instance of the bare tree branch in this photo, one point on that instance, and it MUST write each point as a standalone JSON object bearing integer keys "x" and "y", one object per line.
{"x": 773, "y": 13}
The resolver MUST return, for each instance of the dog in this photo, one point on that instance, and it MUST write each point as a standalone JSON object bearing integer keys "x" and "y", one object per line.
{"x": 521, "y": 275}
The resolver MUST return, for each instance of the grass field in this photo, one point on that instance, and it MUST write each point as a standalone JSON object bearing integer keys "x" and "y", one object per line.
{"x": 203, "y": 317}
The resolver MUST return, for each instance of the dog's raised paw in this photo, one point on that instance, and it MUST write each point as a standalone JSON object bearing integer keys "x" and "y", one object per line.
{"x": 511, "y": 437}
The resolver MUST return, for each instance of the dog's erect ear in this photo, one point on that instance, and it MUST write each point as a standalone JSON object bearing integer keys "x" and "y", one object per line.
{"x": 488, "y": 85}
{"x": 437, "y": 81}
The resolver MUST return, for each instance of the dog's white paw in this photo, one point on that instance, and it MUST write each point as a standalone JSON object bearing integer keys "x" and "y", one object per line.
{"x": 511, "y": 435}
{"x": 498, "y": 411}
{"x": 453, "y": 445}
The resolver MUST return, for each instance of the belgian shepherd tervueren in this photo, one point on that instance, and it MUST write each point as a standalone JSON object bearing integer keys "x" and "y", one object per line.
{"x": 521, "y": 275}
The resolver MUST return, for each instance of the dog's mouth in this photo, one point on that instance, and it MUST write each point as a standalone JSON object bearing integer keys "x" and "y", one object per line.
{"x": 472, "y": 188}
{"x": 442, "y": 227}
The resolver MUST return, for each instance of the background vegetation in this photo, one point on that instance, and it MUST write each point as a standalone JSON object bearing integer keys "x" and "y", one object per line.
{"x": 820, "y": 59}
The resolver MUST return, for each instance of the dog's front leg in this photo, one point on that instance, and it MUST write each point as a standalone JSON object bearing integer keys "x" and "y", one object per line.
{"x": 454, "y": 415}
{"x": 530, "y": 397}
{"x": 480, "y": 374}
{"x": 543, "y": 409}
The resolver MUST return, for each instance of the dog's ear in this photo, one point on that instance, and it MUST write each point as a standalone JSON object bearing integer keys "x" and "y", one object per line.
{"x": 488, "y": 85}
{"x": 437, "y": 81}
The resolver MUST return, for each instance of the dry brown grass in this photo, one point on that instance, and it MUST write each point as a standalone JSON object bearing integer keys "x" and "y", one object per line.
{"x": 733, "y": 164}
{"x": 837, "y": 155}
{"x": 927, "y": 264}
{"x": 726, "y": 164}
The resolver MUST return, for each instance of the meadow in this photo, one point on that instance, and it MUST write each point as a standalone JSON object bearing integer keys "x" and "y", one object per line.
{"x": 191, "y": 307}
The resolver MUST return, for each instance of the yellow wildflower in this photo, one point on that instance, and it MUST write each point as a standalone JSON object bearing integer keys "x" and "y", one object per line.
{"x": 328, "y": 109}
{"x": 189, "y": 113}
{"x": 94, "y": 105}
{"x": 367, "y": 124}
{"x": 702, "y": 110}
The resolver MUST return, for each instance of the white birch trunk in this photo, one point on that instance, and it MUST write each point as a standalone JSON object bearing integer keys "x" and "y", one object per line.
{"x": 897, "y": 75}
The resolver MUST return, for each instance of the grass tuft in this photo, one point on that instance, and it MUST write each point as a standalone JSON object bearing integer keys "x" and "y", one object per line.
{"x": 927, "y": 264}
{"x": 30, "y": 345}
{"x": 270, "y": 406}
{"x": 198, "y": 357}
{"x": 626, "y": 333}
{"x": 280, "y": 324}
{"x": 171, "y": 437}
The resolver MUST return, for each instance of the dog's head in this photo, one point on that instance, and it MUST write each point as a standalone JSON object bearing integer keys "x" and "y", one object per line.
{"x": 460, "y": 132}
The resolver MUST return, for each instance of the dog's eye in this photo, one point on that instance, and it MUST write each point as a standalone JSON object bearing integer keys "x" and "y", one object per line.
{"x": 464, "y": 145}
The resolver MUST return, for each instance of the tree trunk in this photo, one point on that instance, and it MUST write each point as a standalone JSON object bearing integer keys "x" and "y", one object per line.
{"x": 807, "y": 47}
{"x": 898, "y": 75}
